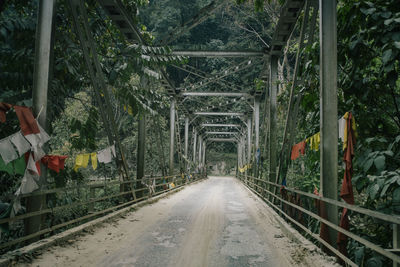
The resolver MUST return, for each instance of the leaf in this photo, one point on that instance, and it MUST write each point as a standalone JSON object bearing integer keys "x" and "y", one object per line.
{"x": 388, "y": 153}
{"x": 379, "y": 162}
{"x": 368, "y": 11}
{"x": 367, "y": 165}
{"x": 384, "y": 189}
{"x": 359, "y": 255}
{"x": 386, "y": 14}
{"x": 374, "y": 262}
{"x": 373, "y": 191}
{"x": 397, "y": 45}
{"x": 396, "y": 36}
{"x": 386, "y": 56}
{"x": 391, "y": 180}
{"x": 388, "y": 21}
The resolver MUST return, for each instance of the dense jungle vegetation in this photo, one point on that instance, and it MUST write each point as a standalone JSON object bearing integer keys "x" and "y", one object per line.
{"x": 368, "y": 86}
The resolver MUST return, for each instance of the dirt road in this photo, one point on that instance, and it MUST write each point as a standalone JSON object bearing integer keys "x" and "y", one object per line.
{"x": 217, "y": 222}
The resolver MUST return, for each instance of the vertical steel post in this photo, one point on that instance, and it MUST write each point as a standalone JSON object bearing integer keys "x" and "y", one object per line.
{"x": 239, "y": 151}
{"x": 172, "y": 137}
{"x": 328, "y": 110}
{"x": 41, "y": 79}
{"x": 396, "y": 241}
{"x": 140, "y": 153}
{"x": 257, "y": 133}
{"x": 186, "y": 139}
{"x": 248, "y": 139}
{"x": 194, "y": 145}
{"x": 204, "y": 158}
{"x": 200, "y": 150}
{"x": 273, "y": 89}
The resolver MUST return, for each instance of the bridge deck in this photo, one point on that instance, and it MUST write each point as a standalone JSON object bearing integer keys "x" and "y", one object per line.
{"x": 213, "y": 223}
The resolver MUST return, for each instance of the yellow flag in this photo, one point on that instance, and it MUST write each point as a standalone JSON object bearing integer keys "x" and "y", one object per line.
{"x": 85, "y": 160}
{"x": 78, "y": 162}
{"x": 317, "y": 141}
{"x": 94, "y": 160}
{"x": 130, "y": 110}
{"x": 345, "y": 116}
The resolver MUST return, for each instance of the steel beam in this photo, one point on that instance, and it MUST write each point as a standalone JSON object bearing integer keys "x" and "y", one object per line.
{"x": 140, "y": 153}
{"x": 257, "y": 132}
{"x": 222, "y": 139}
{"x": 172, "y": 137}
{"x": 273, "y": 89}
{"x": 221, "y": 133}
{"x": 41, "y": 80}
{"x": 219, "y": 125}
{"x": 204, "y": 155}
{"x": 244, "y": 161}
{"x": 218, "y": 113}
{"x": 200, "y": 150}
{"x": 97, "y": 77}
{"x": 288, "y": 16}
{"x": 225, "y": 94}
{"x": 224, "y": 54}
{"x": 248, "y": 139}
{"x": 186, "y": 136}
{"x": 194, "y": 145}
{"x": 329, "y": 111}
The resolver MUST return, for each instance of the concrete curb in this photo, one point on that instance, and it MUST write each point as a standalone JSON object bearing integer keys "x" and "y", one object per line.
{"x": 9, "y": 257}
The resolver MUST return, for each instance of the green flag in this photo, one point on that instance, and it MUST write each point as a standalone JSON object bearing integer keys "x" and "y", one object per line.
{"x": 6, "y": 167}
{"x": 20, "y": 165}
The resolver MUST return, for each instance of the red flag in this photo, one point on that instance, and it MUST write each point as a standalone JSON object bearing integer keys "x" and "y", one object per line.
{"x": 26, "y": 120}
{"x": 54, "y": 162}
{"x": 346, "y": 191}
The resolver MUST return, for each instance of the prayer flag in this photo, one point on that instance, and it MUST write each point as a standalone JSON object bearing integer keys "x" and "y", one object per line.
{"x": 7, "y": 150}
{"x": 20, "y": 143}
{"x": 94, "y": 160}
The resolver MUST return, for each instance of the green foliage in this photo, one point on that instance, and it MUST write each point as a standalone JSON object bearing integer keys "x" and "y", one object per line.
{"x": 377, "y": 172}
{"x": 86, "y": 139}
{"x": 369, "y": 86}
{"x": 260, "y": 84}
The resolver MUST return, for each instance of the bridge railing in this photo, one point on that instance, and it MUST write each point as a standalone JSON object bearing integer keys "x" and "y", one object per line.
{"x": 263, "y": 188}
{"x": 72, "y": 205}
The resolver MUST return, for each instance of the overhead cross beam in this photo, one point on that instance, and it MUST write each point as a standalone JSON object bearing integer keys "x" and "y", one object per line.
{"x": 231, "y": 133}
{"x": 219, "y": 125}
{"x": 225, "y": 54}
{"x": 225, "y": 94}
{"x": 218, "y": 113}
{"x": 222, "y": 140}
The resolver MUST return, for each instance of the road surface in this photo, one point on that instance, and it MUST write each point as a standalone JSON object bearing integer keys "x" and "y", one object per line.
{"x": 217, "y": 222}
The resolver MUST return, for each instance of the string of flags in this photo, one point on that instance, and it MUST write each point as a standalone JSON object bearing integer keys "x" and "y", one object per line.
{"x": 315, "y": 140}
{"x": 129, "y": 109}
{"x": 22, "y": 152}
{"x": 25, "y": 146}
{"x": 244, "y": 168}
{"x": 102, "y": 156}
